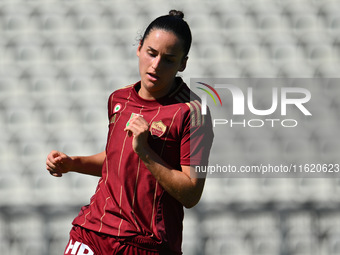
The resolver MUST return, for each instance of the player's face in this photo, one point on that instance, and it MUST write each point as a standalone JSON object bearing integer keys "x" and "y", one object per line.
{"x": 160, "y": 58}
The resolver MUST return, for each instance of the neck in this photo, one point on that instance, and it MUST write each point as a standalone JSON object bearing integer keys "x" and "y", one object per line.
{"x": 153, "y": 95}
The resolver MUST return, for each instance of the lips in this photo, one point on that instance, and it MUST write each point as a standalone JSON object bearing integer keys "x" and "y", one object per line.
{"x": 153, "y": 76}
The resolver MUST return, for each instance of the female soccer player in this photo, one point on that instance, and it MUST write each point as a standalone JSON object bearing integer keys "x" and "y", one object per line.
{"x": 156, "y": 136}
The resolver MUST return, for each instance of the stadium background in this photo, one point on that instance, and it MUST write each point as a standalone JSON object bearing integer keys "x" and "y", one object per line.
{"x": 60, "y": 60}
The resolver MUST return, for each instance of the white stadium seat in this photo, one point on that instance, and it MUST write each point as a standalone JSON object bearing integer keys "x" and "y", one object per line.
{"x": 59, "y": 62}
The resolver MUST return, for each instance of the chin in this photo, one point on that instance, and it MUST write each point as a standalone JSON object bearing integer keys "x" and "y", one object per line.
{"x": 150, "y": 84}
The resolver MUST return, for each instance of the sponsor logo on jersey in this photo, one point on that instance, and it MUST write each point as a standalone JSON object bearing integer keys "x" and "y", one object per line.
{"x": 157, "y": 128}
{"x": 78, "y": 248}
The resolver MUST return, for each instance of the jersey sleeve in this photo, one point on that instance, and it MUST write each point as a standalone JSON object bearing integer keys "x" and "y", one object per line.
{"x": 109, "y": 106}
{"x": 197, "y": 136}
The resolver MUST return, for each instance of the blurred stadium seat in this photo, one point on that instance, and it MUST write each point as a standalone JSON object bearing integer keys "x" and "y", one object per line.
{"x": 59, "y": 62}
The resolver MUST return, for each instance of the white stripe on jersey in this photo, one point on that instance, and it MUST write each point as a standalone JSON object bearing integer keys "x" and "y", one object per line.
{"x": 101, "y": 219}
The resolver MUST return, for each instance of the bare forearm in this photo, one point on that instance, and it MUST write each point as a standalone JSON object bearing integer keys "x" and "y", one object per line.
{"x": 177, "y": 183}
{"x": 91, "y": 165}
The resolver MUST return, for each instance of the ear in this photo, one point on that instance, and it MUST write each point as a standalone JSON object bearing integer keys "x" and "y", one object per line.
{"x": 183, "y": 64}
{"x": 139, "y": 48}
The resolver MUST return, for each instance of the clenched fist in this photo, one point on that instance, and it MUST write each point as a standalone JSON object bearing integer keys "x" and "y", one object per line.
{"x": 58, "y": 163}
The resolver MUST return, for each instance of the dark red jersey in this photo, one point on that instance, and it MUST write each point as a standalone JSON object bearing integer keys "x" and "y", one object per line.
{"x": 128, "y": 200}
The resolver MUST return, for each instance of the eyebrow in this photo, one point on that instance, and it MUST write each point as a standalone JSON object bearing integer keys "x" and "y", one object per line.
{"x": 168, "y": 55}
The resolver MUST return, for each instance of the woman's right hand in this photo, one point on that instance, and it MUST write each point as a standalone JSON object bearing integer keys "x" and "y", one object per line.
{"x": 58, "y": 163}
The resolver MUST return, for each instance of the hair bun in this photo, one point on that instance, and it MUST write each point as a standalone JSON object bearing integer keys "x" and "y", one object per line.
{"x": 177, "y": 14}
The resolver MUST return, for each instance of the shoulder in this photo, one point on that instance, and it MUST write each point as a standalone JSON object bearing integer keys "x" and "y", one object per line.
{"x": 119, "y": 96}
{"x": 123, "y": 91}
{"x": 190, "y": 104}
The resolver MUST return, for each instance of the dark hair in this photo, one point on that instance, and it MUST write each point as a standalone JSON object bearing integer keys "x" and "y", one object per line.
{"x": 172, "y": 22}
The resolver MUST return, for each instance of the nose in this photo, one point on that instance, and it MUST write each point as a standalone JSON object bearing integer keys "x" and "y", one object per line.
{"x": 156, "y": 62}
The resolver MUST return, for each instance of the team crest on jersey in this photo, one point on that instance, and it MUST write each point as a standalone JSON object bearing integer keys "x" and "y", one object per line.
{"x": 157, "y": 128}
